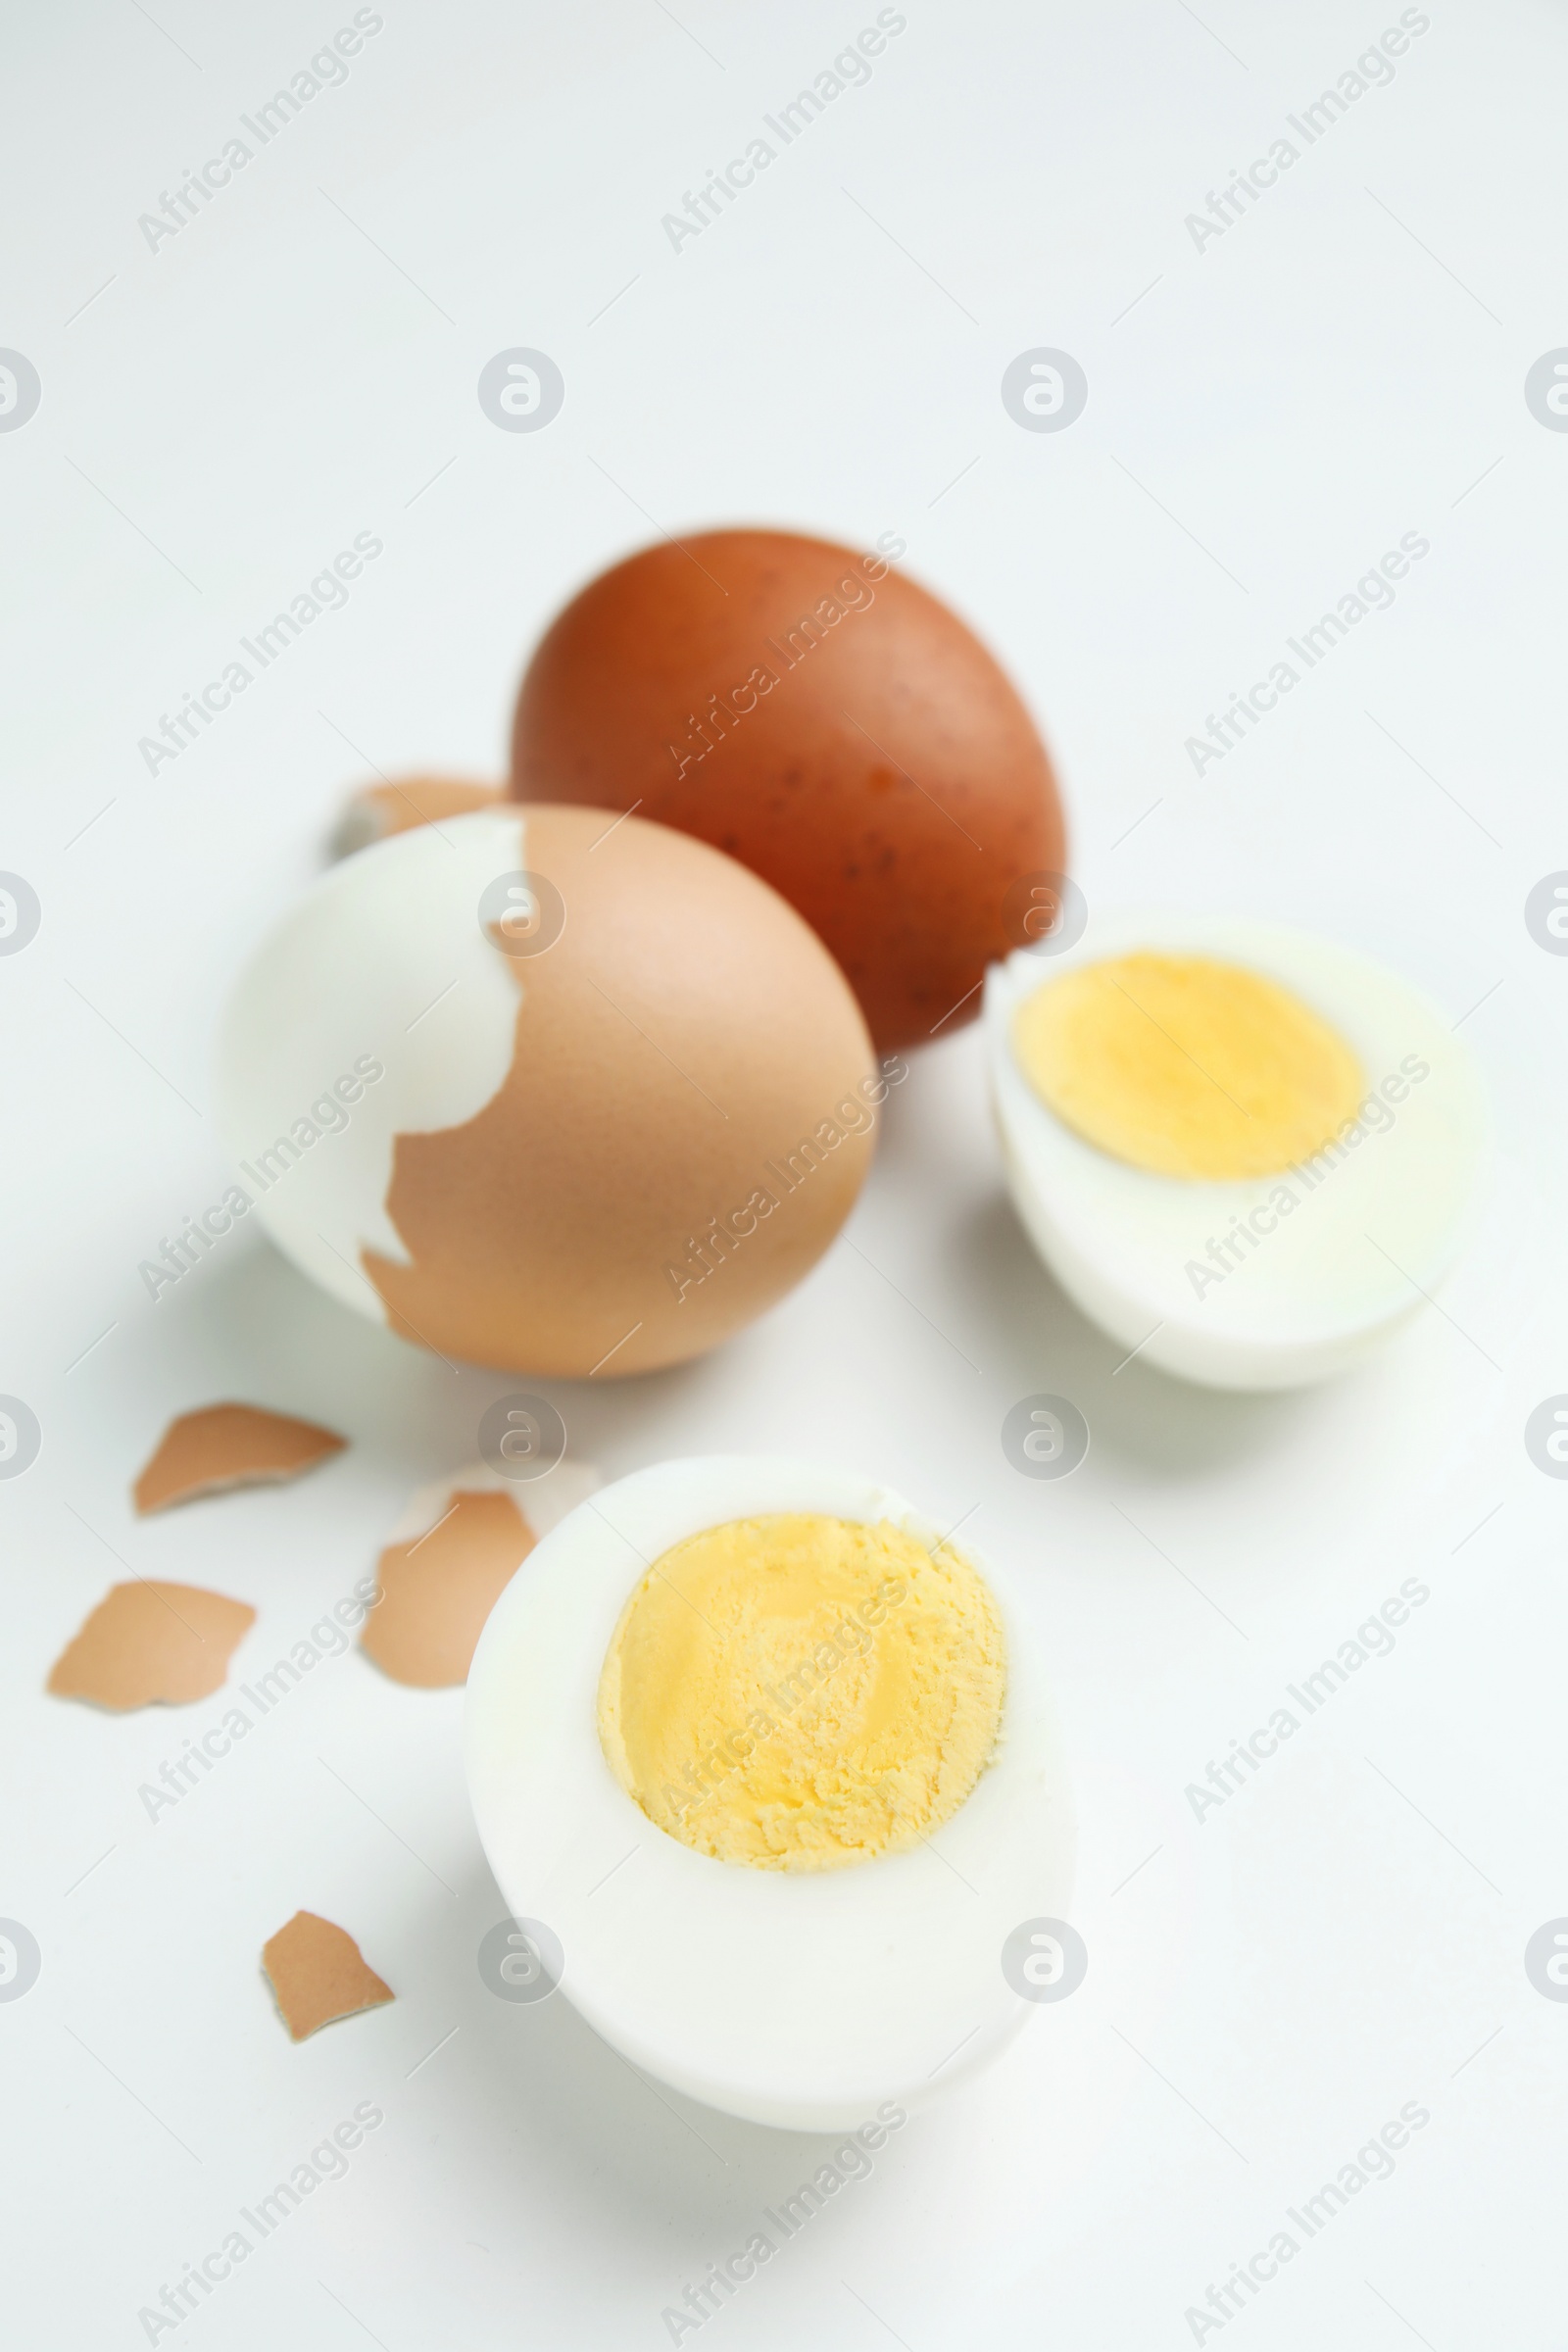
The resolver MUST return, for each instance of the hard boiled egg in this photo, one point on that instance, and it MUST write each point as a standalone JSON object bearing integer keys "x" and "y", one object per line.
{"x": 791, "y": 1937}
{"x": 549, "y": 1090}
{"x": 1248, "y": 1153}
{"x": 827, "y": 721}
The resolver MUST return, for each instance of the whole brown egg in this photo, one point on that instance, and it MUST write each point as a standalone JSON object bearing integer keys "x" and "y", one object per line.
{"x": 828, "y": 723}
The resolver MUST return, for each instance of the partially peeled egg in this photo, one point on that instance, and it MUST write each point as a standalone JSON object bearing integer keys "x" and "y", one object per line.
{"x": 549, "y": 1090}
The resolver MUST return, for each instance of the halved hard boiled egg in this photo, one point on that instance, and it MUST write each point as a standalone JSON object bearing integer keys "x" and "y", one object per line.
{"x": 765, "y": 1764}
{"x": 1245, "y": 1152}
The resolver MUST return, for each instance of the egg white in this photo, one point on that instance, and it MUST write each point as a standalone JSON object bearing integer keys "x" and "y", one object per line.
{"x": 382, "y": 957}
{"x": 1373, "y": 1229}
{"x": 798, "y": 1999}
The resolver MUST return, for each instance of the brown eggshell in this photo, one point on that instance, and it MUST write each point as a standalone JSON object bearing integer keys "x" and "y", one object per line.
{"x": 222, "y": 1446}
{"x": 436, "y": 1592}
{"x": 318, "y": 1974}
{"x": 454, "y": 1549}
{"x": 151, "y": 1645}
{"x": 397, "y": 804}
{"x": 827, "y": 722}
{"x": 626, "y": 1199}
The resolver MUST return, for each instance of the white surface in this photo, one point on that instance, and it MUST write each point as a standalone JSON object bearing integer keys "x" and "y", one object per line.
{"x": 1268, "y": 1985}
{"x": 797, "y": 1999}
{"x": 1349, "y": 1247}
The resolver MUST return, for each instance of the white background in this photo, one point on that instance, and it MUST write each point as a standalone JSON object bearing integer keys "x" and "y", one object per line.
{"x": 1343, "y": 365}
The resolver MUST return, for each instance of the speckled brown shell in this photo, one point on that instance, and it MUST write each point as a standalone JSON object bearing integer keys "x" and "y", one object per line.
{"x": 888, "y": 782}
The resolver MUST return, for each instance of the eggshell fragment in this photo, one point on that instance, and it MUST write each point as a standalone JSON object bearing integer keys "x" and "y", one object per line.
{"x": 437, "y": 1592}
{"x": 230, "y": 1446}
{"x": 456, "y": 1548}
{"x": 147, "y": 1645}
{"x": 827, "y": 722}
{"x": 318, "y": 1972}
{"x": 375, "y": 811}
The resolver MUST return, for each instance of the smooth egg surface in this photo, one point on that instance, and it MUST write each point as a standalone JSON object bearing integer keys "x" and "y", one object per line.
{"x": 548, "y": 1092}
{"x": 826, "y": 721}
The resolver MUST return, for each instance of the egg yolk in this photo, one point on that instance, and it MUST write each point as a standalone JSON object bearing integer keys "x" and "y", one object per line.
{"x": 800, "y": 1692}
{"x": 1187, "y": 1067}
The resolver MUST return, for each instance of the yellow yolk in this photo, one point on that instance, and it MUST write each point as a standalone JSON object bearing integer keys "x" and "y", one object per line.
{"x": 1186, "y": 1066}
{"x": 798, "y": 1692}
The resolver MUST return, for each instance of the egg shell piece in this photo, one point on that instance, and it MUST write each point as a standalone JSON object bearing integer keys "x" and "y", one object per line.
{"x": 1318, "y": 1293}
{"x": 220, "y": 1447}
{"x": 151, "y": 1645}
{"x": 456, "y": 1547}
{"x": 318, "y": 1974}
{"x": 795, "y": 2000}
